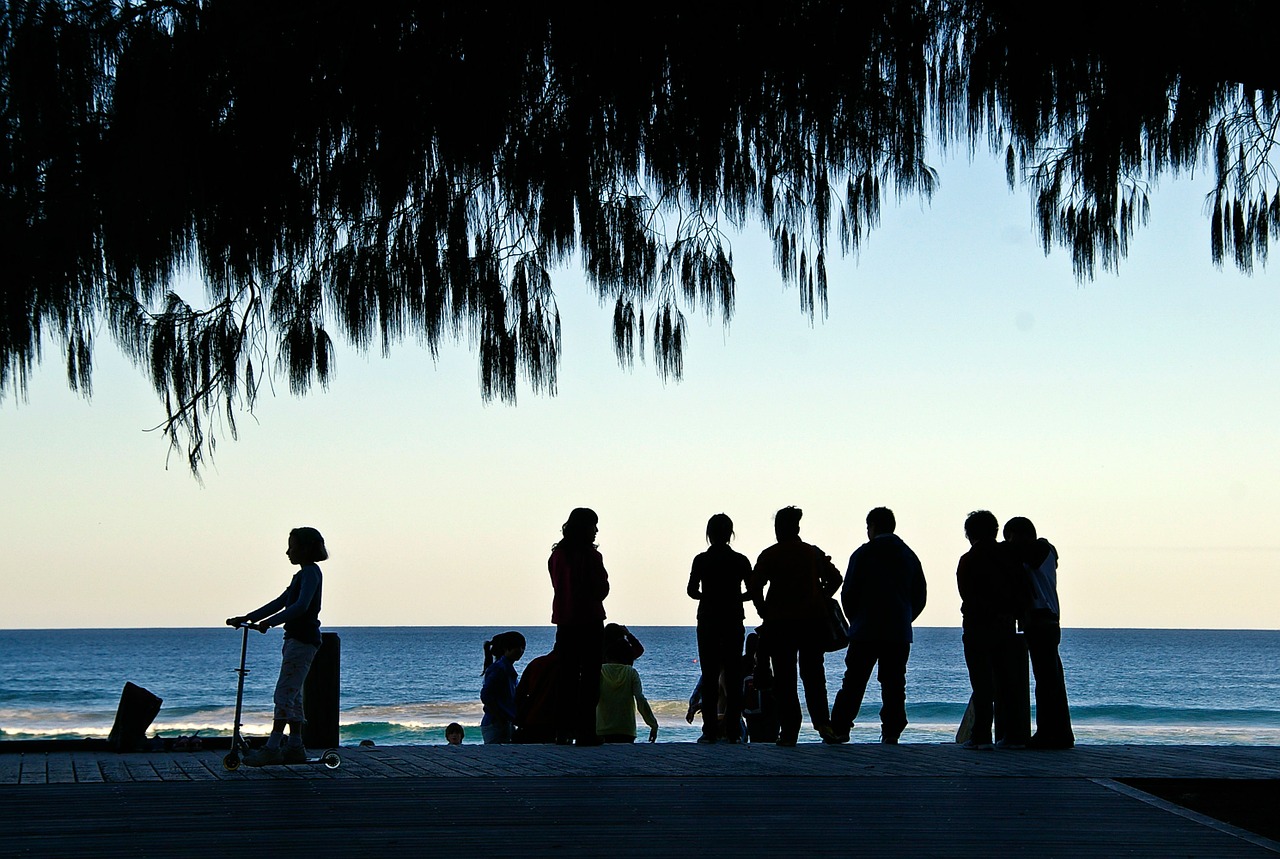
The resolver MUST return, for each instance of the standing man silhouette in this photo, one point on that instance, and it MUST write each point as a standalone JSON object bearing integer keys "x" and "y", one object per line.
{"x": 801, "y": 578}
{"x": 884, "y": 592}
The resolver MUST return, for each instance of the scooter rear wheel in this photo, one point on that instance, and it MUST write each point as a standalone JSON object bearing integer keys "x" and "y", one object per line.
{"x": 331, "y": 759}
{"x": 231, "y": 762}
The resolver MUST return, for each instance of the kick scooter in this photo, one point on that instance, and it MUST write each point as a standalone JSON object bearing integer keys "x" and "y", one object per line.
{"x": 239, "y": 746}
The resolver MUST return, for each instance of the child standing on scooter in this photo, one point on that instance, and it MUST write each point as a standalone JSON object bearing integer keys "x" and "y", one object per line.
{"x": 298, "y": 608}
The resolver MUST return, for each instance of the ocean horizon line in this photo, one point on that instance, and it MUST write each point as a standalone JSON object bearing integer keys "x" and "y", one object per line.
{"x": 335, "y": 626}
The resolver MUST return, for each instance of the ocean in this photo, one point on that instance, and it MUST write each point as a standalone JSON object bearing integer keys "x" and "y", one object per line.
{"x": 402, "y": 685}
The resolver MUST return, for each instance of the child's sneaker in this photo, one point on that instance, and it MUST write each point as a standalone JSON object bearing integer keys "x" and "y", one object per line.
{"x": 263, "y": 757}
{"x": 295, "y": 754}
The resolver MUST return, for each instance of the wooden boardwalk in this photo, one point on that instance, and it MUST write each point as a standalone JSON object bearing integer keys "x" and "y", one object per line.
{"x": 644, "y": 800}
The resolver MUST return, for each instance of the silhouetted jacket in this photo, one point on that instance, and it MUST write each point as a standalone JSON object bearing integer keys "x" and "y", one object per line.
{"x": 620, "y": 695}
{"x": 989, "y": 583}
{"x": 800, "y": 578}
{"x": 581, "y": 584}
{"x": 717, "y": 582}
{"x": 1039, "y": 563}
{"x": 498, "y": 692}
{"x": 884, "y": 590}
{"x": 535, "y": 701}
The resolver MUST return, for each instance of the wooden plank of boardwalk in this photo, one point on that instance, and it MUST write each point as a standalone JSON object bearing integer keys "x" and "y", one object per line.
{"x": 673, "y": 759}
{"x": 922, "y": 800}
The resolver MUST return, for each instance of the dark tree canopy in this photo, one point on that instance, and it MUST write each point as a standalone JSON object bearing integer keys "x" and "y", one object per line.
{"x": 403, "y": 170}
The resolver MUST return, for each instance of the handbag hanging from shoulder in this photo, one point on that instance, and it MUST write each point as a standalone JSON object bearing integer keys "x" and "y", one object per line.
{"x": 834, "y": 629}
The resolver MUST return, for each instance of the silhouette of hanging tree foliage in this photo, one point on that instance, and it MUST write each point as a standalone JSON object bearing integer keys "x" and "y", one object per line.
{"x": 420, "y": 170}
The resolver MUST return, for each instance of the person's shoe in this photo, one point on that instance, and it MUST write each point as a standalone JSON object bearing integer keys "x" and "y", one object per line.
{"x": 830, "y": 736}
{"x": 786, "y": 744}
{"x": 975, "y": 746}
{"x": 263, "y": 757}
{"x": 888, "y": 739}
{"x": 295, "y": 754}
{"x": 1010, "y": 746}
{"x": 705, "y": 740}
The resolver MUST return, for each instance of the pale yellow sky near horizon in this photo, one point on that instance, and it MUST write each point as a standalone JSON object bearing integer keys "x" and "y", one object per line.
{"x": 1133, "y": 418}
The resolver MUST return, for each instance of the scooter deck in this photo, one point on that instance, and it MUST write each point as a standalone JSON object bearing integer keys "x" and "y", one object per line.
{"x": 330, "y": 759}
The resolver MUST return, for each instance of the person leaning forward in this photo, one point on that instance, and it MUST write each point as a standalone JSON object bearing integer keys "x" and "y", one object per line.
{"x": 988, "y": 582}
{"x": 884, "y": 592}
{"x": 1041, "y": 624}
{"x": 800, "y": 578}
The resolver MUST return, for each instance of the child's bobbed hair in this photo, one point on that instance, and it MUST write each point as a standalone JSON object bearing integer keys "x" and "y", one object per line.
{"x": 309, "y": 545}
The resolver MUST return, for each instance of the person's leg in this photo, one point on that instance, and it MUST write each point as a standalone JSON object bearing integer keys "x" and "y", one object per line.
{"x": 497, "y": 732}
{"x": 1053, "y": 717}
{"x": 295, "y": 662}
{"x": 709, "y": 650}
{"x": 567, "y": 671}
{"x": 1012, "y": 692}
{"x": 859, "y": 659}
{"x": 977, "y": 657}
{"x": 784, "y": 653}
{"x": 731, "y": 657}
{"x": 892, "y": 675}
{"x": 590, "y": 657}
{"x": 813, "y": 674}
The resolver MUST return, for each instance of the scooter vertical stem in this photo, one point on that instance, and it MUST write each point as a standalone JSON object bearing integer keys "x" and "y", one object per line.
{"x": 237, "y": 741}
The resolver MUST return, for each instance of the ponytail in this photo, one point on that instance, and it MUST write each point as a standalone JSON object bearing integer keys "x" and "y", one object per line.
{"x": 500, "y": 644}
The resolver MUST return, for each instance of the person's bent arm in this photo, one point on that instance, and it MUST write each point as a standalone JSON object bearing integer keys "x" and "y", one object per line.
{"x": 307, "y": 585}
{"x": 849, "y": 592}
{"x": 919, "y": 590}
{"x": 694, "y": 591}
{"x": 642, "y": 705}
{"x": 829, "y": 578}
{"x": 259, "y": 613}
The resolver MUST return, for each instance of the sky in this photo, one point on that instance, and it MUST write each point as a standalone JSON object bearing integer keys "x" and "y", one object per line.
{"x": 1133, "y": 418}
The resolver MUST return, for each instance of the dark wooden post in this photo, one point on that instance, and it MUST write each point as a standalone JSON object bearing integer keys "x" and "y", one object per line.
{"x": 320, "y": 694}
{"x": 138, "y": 709}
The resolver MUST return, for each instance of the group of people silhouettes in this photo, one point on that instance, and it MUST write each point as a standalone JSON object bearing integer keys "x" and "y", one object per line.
{"x": 586, "y": 691}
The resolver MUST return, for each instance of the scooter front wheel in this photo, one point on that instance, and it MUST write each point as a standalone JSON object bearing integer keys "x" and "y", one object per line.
{"x": 331, "y": 759}
{"x": 231, "y": 762}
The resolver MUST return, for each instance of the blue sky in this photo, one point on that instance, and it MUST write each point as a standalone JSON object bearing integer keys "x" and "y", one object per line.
{"x": 1132, "y": 417}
